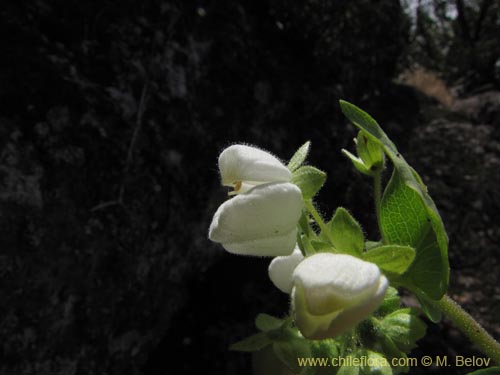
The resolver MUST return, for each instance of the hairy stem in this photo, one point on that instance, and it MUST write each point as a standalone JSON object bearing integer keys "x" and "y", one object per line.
{"x": 469, "y": 327}
{"x": 377, "y": 196}
{"x": 317, "y": 218}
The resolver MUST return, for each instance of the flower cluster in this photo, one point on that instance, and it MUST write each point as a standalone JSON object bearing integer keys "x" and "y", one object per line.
{"x": 330, "y": 293}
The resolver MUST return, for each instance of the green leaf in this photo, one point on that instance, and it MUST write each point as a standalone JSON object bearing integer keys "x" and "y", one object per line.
{"x": 432, "y": 312}
{"x": 487, "y": 371}
{"x": 380, "y": 364}
{"x": 252, "y": 343}
{"x": 325, "y": 348}
{"x": 404, "y": 219}
{"x": 372, "y": 244}
{"x": 322, "y": 247}
{"x": 391, "y": 258}
{"x": 358, "y": 163}
{"x": 309, "y": 180}
{"x": 390, "y": 349}
{"x": 390, "y": 303}
{"x": 299, "y": 157}
{"x": 370, "y": 152}
{"x": 346, "y": 233}
{"x": 289, "y": 350}
{"x": 348, "y": 370}
{"x": 266, "y": 323}
{"x": 404, "y": 328}
{"x": 362, "y": 120}
{"x": 422, "y": 224}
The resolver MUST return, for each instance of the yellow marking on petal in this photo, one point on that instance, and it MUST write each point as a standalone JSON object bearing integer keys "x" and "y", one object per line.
{"x": 237, "y": 187}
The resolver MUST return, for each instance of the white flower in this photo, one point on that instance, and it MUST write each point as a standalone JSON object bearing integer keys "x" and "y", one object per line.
{"x": 281, "y": 270}
{"x": 262, "y": 219}
{"x": 261, "y": 222}
{"x": 334, "y": 292}
{"x": 244, "y": 167}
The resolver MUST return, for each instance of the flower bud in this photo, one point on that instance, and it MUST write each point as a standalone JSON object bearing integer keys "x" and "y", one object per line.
{"x": 281, "y": 270}
{"x": 261, "y": 222}
{"x": 334, "y": 292}
{"x": 244, "y": 167}
{"x": 370, "y": 152}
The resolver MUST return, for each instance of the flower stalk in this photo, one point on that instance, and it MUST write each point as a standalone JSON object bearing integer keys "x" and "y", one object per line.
{"x": 469, "y": 327}
{"x": 317, "y": 218}
{"x": 377, "y": 196}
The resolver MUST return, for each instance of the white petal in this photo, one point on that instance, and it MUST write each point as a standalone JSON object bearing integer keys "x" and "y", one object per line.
{"x": 311, "y": 326}
{"x": 251, "y": 165}
{"x": 261, "y": 222}
{"x": 319, "y": 327}
{"x": 335, "y": 281}
{"x": 281, "y": 270}
{"x": 271, "y": 246}
{"x": 334, "y": 292}
{"x": 351, "y": 317}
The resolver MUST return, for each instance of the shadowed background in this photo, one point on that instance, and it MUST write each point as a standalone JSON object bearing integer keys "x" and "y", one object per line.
{"x": 112, "y": 115}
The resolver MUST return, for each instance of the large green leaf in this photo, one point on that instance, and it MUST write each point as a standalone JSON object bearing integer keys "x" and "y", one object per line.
{"x": 404, "y": 219}
{"x": 408, "y": 215}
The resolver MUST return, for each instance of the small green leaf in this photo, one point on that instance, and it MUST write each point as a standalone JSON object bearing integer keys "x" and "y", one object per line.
{"x": 487, "y": 371}
{"x": 309, "y": 180}
{"x": 299, "y": 157}
{"x": 348, "y": 370}
{"x": 252, "y": 343}
{"x": 379, "y": 364}
{"x": 391, "y": 258}
{"x": 346, "y": 233}
{"x": 322, "y": 247}
{"x": 289, "y": 350}
{"x": 357, "y": 162}
{"x": 404, "y": 328}
{"x": 266, "y": 323}
{"x": 390, "y": 349}
{"x": 390, "y": 303}
{"x": 325, "y": 348}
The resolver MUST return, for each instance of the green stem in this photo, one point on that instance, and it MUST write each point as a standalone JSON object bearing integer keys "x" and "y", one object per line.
{"x": 377, "y": 195}
{"x": 469, "y": 327}
{"x": 317, "y": 218}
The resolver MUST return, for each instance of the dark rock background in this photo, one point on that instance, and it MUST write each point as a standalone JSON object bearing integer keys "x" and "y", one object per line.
{"x": 112, "y": 115}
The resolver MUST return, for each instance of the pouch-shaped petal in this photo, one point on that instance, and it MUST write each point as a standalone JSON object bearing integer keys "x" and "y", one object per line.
{"x": 334, "y": 292}
{"x": 261, "y": 222}
{"x": 249, "y": 165}
{"x": 281, "y": 270}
